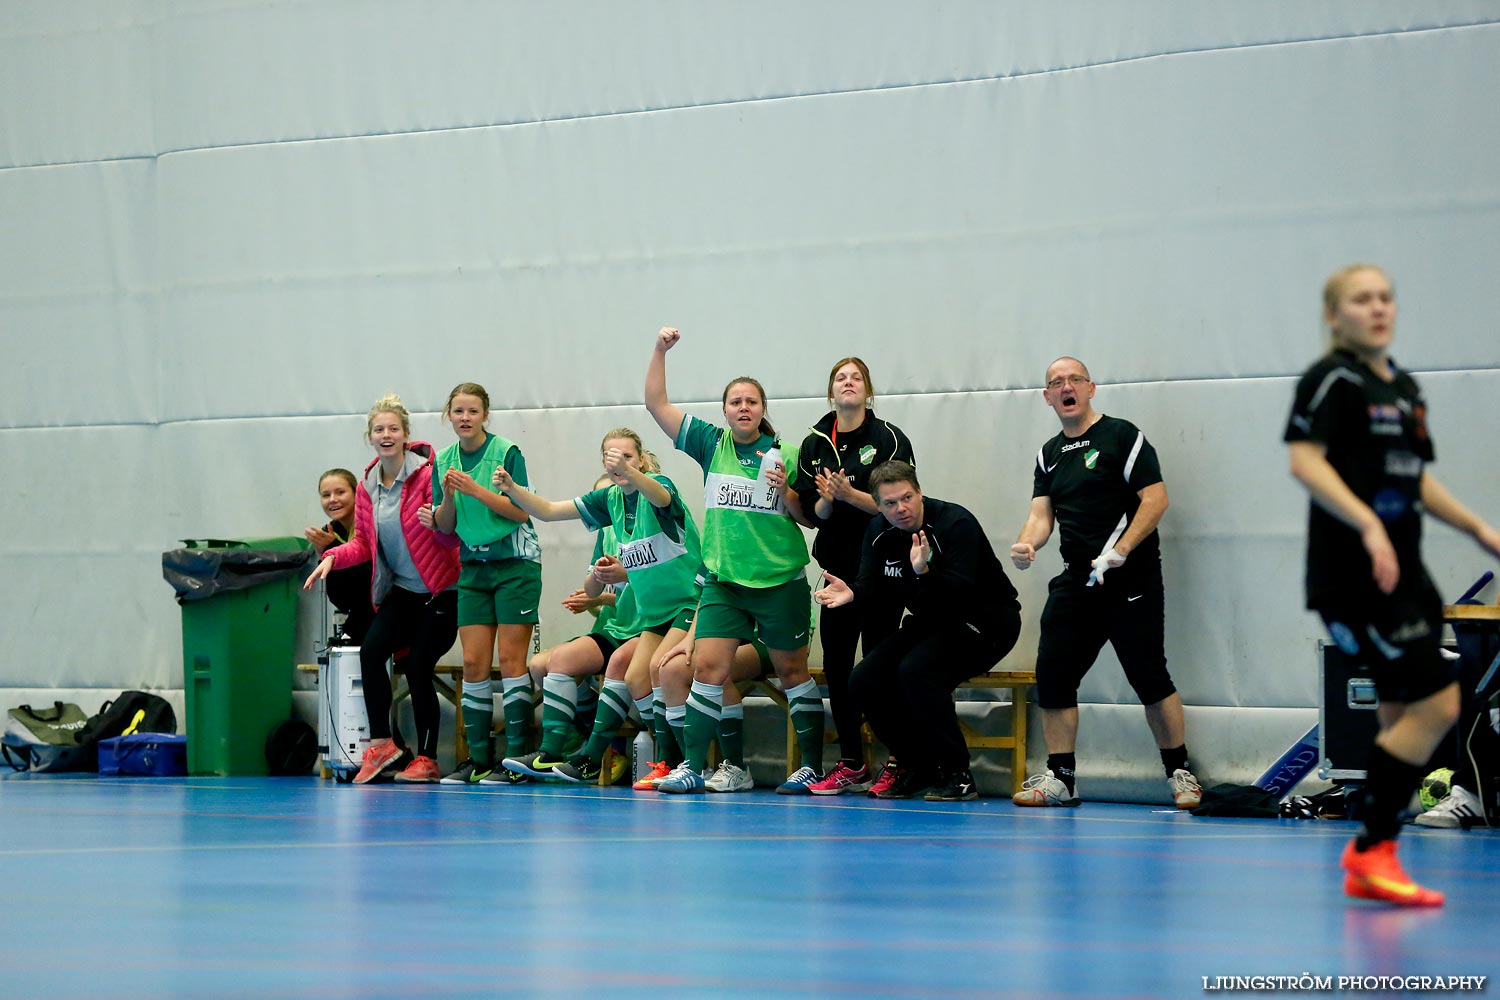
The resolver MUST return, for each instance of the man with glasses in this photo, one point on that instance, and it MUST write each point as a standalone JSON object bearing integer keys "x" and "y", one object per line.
{"x": 1098, "y": 480}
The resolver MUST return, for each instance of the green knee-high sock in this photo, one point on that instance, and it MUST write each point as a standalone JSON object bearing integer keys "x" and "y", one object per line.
{"x": 517, "y": 696}
{"x": 732, "y": 734}
{"x": 660, "y": 734}
{"x": 479, "y": 715}
{"x": 614, "y": 709}
{"x": 705, "y": 705}
{"x": 588, "y": 704}
{"x": 676, "y": 750}
{"x": 558, "y": 709}
{"x": 646, "y": 712}
{"x": 806, "y": 706}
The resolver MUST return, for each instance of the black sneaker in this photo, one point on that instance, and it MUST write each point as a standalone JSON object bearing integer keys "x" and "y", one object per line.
{"x": 500, "y": 776}
{"x": 956, "y": 787}
{"x": 909, "y": 784}
{"x": 538, "y": 764}
{"x": 581, "y": 770}
{"x": 467, "y": 773}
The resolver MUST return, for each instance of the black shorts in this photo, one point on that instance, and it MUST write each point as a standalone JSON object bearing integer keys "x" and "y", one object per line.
{"x": 1398, "y": 638}
{"x": 607, "y": 644}
{"x": 1128, "y": 612}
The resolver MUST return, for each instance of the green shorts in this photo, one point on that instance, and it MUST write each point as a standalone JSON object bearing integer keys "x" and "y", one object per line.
{"x": 499, "y": 592}
{"x": 782, "y": 615}
{"x": 683, "y": 620}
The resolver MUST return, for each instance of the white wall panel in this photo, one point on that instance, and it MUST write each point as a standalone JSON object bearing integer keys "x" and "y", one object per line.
{"x": 879, "y": 214}
{"x": 96, "y": 619}
{"x": 85, "y": 604}
{"x": 101, "y": 80}
{"x": 77, "y": 81}
{"x": 78, "y": 295}
{"x": 307, "y": 69}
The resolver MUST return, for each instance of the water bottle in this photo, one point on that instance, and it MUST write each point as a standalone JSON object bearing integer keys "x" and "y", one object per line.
{"x": 770, "y": 460}
{"x": 641, "y": 750}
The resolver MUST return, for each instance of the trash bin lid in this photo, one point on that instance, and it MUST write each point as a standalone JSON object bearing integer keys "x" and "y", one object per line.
{"x": 280, "y": 543}
{"x": 199, "y": 572}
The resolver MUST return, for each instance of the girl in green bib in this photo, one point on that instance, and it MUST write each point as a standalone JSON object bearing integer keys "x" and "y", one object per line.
{"x": 588, "y": 652}
{"x": 756, "y": 558}
{"x": 659, "y": 555}
{"x": 500, "y": 586}
{"x": 600, "y": 605}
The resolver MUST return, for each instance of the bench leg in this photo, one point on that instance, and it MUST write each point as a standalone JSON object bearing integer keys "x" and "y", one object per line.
{"x": 1018, "y": 702}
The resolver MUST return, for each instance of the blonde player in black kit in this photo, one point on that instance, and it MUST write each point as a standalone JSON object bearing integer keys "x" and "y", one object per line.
{"x": 1359, "y": 444}
{"x": 1099, "y": 482}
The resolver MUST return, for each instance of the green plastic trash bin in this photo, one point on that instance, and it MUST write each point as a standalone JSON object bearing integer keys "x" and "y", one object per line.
{"x": 239, "y": 629}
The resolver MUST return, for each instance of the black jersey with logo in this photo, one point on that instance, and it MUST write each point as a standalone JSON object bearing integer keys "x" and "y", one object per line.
{"x": 857, "y": 453}
{"x": 965, "y": 583}
{"x": 1376, "y": 435}
{"x": 1094, "y": 482}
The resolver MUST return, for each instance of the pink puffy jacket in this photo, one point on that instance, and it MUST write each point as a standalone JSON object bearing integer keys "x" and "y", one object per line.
{"x": 434, "y": 553}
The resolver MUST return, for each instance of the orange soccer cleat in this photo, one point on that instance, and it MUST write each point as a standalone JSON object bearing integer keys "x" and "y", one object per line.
{"x": 1377, "y": 874}
{"x": 659, "y": 770}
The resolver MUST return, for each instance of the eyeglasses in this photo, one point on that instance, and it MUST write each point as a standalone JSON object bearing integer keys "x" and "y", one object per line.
{"x": 1062, "y": 380}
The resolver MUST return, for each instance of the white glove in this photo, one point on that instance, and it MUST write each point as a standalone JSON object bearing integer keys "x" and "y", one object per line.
{"x": 1108, "y": 559}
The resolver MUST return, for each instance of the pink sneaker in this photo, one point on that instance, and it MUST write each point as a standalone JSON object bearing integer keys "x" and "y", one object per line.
{"x": 378, "y": 758}
{"x": 420, "y": 771}
{"x": 886, "y": 778}
{"x": 842, "y": 778}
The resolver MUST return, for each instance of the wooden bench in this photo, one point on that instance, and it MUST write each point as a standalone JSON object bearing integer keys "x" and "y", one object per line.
{"x": 1018, "y": 682}
{"x": 450, "y": 684}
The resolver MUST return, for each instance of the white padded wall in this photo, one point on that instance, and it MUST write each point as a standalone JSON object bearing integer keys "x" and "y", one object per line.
{"x": 231, "y": 225}
{"x": 78, "y": 293}
{"x": 1017, "y": 209}
{"x": 77, "y": 82}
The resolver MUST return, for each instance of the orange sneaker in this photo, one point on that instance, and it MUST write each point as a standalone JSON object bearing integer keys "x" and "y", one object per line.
{"x": 378, "y": 758}
{"x": 1377, "y": 874}
{"x": 421, "y": 770}
{"x": 659, "y": 770}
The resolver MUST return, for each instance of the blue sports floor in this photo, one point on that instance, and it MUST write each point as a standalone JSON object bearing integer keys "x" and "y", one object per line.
{"x": 266, "y": 887}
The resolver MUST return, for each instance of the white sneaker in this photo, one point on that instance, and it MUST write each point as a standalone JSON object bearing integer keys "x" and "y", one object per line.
{"x": 1186, "y": 792}
{"x": 1045, "y": 789}
{"x": 1449, "y": 814}
{"x": 730, "y": 778}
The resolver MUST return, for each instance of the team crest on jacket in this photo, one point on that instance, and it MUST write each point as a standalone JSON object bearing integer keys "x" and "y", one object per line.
{"x": 1091, "y": 458}
{"x": 867, "y": 454}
